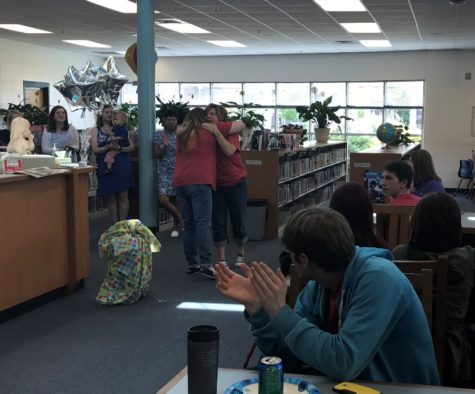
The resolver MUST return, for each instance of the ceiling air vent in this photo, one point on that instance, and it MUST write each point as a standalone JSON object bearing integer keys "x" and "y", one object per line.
{"x": 163, "y": 48}
{"x": 168, "y": 20}
{"x": 345, "y": 42}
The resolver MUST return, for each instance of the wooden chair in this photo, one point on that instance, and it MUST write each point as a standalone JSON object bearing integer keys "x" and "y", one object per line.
{"x": 423, "y": 286}
{"x": 437, "y": 322}
{"x": 393, "y": 223}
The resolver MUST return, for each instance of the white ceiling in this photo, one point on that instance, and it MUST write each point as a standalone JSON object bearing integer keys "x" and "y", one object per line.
{"x": 264, "y": 26}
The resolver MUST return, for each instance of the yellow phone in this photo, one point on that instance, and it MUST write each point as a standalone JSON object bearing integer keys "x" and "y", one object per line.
{"x": 353, "y": 388}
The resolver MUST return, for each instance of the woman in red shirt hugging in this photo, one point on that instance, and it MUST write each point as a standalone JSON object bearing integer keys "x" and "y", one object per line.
{"x": 231, "y": 190}
{"x": 194, "y": 180}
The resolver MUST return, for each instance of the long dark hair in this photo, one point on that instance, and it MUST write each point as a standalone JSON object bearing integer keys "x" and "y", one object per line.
{"x": 193, "y": 121}
{"x": 353, "y": 202}
{"x": 100, "y": 120}
{"x": 424, "y": 170}
{"x": 52, "y": 122}
{"x": 436, "y": 225}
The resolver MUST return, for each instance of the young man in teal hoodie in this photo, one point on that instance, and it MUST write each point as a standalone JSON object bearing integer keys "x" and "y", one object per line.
{"x": 357, "y": 318}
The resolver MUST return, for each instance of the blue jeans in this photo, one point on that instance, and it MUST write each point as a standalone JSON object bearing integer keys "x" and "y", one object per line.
{"x": 234, "y": 199}
{"x": 195, "y": 203}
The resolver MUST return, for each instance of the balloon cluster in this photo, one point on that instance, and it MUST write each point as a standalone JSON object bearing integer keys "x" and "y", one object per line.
{"x": 92, "y": 86}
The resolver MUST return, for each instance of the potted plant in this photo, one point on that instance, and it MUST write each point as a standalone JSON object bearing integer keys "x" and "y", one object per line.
{"x": 322, "y": 114}
{"x": 37, "y": 117}
{"x": 181, "y": 109}
{"x": 290, "y": 128}
{"x": 132, "y": 111}
{"x": 245, "y": 113}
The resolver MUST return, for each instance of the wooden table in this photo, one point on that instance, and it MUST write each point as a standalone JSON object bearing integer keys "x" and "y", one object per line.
{"x": 468, "y": 223}
{"x": 226, "y": 377}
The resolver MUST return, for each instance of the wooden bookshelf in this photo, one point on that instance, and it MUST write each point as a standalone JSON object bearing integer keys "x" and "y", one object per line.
{"x": 291, "y": 179}
{"x": 373, "y": 159}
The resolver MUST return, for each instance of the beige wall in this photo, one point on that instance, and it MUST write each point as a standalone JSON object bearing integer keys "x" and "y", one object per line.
{"x": 448, "y": 97}
{"x": 25, "y": 62}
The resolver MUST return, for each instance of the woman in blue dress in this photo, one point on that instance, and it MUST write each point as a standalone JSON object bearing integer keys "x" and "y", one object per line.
{"x": 113, "y": 186}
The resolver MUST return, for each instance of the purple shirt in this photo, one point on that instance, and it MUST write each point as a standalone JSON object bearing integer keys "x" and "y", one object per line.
{"x": 431, "y": 186}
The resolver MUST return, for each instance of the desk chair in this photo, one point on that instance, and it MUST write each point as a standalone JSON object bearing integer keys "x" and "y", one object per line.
{"x": 465, "y": 172}
{"x": 393, "y": 223}
{"x": 437, "y": 322}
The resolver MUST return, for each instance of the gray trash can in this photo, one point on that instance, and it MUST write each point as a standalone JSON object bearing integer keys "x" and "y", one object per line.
{"x": 256, "y": 219}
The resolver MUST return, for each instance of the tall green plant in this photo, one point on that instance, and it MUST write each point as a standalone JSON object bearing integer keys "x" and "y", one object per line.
{"x": 32, "y": 113}
{"x": 321, "y": 113}
{"x": 245, "y": 113}
{"x": 181, "y": 109}
{"x": 132, "y": 111}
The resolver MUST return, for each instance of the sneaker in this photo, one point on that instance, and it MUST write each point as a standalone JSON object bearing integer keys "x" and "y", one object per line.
{"x": 191, "y": 270}
{"x": 174, "y": 234}
{"x": 239, "y": 260}
{"x": 207, "y": 271}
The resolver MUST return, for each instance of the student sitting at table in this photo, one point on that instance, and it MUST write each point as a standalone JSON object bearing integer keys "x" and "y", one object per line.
{"x": 357, "y": 318}
{"x": 436, "y": 229}
{"x": 396, "y": 182}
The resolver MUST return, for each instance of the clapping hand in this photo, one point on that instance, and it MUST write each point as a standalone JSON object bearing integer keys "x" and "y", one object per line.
{"x": 270, "y": 287}
{"x": 237, "y": 287}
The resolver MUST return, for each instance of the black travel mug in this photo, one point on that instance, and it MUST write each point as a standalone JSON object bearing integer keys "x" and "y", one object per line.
{"x": 203, "y": 350}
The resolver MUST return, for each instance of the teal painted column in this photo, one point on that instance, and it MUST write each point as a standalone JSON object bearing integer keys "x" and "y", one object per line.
{"x": 146, "y": 101}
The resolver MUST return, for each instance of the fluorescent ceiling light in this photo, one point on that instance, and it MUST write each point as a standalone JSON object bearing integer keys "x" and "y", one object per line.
{"x": 376, "y": 43}
{"x": 124, "y": 6}
{"x": 207, "y": 306}
{"x": 471, "y": 218}
{"x": 24, "y": 29}
{"x": 182, "y": 27}
{"x": 361, "y": 27}
{"x": 227, "y": 43}
{"x": 341, "y": 5}
{"x": 87, "y": 43}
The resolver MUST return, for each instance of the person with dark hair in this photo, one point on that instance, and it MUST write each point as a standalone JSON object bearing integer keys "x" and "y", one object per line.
{"x": 437, "y": 230}
{"x": 396, "y": 181}
{"x": 426, "y": 179}
{"x": 194, "y": 180}
{"x": 113, "y": 187}
{"x": 231, "y": 190}
{"x": 358, "y": 317}
{"x": 59, "y": 134}
{"x": 353, "y": 202}
{"x": 164, "y": 150}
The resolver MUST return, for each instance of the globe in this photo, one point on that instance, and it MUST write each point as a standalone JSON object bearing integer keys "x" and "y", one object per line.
{"x": 386, "y": 133}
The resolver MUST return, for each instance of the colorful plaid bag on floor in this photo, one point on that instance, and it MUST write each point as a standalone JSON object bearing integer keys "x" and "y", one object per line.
{"x": 128, "y": 246}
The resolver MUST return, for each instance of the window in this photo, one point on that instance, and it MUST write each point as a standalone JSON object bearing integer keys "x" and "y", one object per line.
{"x": 168, "y": 91}
{"x": 259, "y": 93}
{"x": 293, "y": 94}
{"x": 196, "y": 94}
{"x": 369, "y": 104}
{"x": 224, "y": 92}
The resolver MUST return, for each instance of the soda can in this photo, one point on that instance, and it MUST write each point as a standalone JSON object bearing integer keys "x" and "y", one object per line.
{"x": 271, "y": 375}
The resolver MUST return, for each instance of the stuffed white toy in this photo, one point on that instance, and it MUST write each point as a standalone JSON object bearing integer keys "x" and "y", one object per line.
{"x": 21, "y": 139}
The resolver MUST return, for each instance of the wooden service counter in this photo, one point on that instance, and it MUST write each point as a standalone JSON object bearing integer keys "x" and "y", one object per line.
{"x": 374, "y": 158}
{"x": 44, "y": 240}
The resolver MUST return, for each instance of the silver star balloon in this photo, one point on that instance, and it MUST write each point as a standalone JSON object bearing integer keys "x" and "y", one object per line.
{"x": 91, "y": 87}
